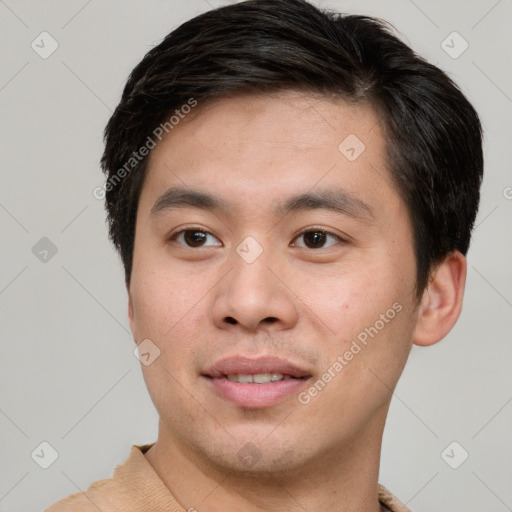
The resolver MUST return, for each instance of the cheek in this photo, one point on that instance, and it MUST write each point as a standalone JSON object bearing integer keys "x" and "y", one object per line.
{"x": 348, "y": 298}
{"x": 361, "y": 366}
{"x": 362, "y": 314}
{"x": 171, "y": 308}
{"x": 164, "y": 298}
{"x": 166, "y": 311}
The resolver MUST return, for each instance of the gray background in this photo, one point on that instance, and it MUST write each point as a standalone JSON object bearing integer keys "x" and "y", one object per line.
{"x": 67, "y": 372}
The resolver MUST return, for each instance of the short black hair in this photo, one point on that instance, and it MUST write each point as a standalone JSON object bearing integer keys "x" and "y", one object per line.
{"x": 434, "y": 136}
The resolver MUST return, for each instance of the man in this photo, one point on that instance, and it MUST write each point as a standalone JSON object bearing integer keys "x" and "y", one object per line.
{"x": 292, "y": 194}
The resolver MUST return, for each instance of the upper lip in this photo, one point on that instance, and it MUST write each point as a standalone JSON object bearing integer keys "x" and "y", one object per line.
{"x": 255, "y": 365}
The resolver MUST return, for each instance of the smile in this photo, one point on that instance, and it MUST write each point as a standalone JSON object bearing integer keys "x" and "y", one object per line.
{"x": 255, "y": 383}
{"x": 259, "y": 378}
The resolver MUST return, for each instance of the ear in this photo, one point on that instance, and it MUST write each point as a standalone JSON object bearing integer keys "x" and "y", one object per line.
{"x": 441, "y": 302}
{"x": 130, "y": 310}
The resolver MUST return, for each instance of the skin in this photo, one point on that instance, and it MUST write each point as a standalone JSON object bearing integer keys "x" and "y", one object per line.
{"x": 201, "y": 304}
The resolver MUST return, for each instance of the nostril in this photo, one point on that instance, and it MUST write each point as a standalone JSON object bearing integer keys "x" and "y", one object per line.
{"x": 233, "y": 321}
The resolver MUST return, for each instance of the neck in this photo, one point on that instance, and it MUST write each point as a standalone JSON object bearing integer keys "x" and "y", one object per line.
{"x": 340, "y": 480}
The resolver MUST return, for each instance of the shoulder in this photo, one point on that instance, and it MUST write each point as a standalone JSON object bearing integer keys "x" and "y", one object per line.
{"x": 111, "y": 494}
{"x": 390, "y": 501}
{"x": 96, "y": 497}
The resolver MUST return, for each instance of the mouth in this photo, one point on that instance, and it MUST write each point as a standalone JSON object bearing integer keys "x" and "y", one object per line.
{"x": 259, "y": 378}
{"x": 255, "y": 383}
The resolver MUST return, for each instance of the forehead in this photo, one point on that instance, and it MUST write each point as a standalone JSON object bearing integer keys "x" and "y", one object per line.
{"x": 258, "y": 148}
{"x": 290, "y": 120}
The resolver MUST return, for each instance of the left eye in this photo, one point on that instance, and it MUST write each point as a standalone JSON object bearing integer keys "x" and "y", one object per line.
{"x": 316, "y": 239}
{"x": 194, "y": 238}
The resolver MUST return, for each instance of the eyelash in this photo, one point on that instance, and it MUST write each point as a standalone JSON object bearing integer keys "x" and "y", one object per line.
{"x": 311, "y": 229}
{"x": 314, "y": 229}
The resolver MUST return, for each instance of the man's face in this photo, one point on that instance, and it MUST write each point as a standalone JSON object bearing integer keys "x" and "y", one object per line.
{"x": 257, "y": 283}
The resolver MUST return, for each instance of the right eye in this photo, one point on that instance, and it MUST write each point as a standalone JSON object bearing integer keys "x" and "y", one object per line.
{"x": 193, "y": 238}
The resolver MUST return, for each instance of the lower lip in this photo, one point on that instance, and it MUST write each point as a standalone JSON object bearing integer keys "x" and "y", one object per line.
{"x": 256, "y": 396}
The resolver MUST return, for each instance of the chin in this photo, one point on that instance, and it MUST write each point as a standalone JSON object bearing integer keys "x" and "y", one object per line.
{"x": 248, "y": 458}
{"x": 251, "y": 450}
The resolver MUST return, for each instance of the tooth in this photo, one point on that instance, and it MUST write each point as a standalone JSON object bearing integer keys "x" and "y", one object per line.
{"x": 261, "y": 378}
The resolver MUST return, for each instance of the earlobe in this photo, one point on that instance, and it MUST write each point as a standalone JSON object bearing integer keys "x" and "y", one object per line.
{"x": 441, "y": 302}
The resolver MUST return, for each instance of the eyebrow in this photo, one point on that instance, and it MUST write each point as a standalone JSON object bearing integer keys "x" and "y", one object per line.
{"x": 181, "y": 197}
{"x": 334, "y": 199}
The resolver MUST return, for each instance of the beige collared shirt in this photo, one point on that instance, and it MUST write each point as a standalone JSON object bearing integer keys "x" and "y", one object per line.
{"x": 136, "y": 487}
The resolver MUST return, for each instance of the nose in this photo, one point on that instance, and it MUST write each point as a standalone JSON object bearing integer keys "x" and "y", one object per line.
{"x": 254, "y": 294}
